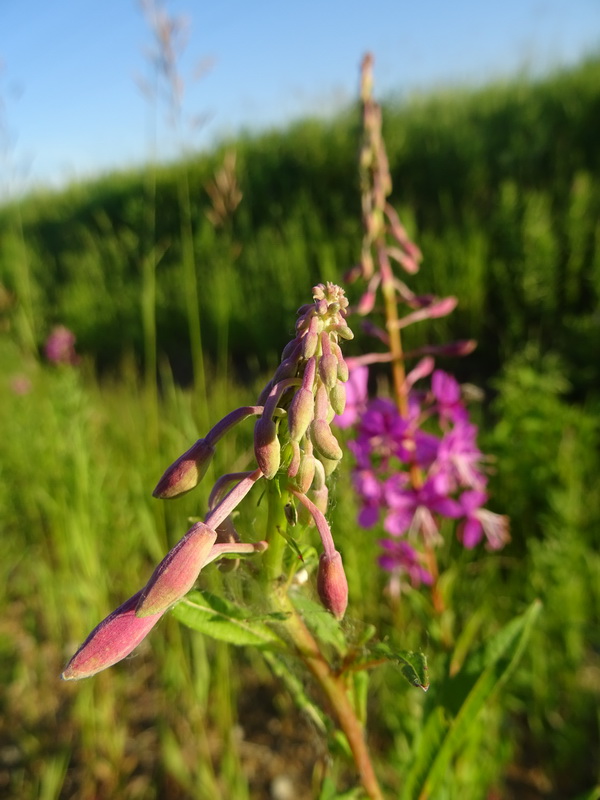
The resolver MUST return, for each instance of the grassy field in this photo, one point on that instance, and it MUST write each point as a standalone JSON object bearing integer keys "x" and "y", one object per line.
{"x": 501, "y": 189}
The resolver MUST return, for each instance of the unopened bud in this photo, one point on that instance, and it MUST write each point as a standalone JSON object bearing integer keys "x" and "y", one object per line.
{"x": 267, "y": 448}
{"x": 295, "y": 461}
{"x": 320, "y": 498}
{"x": 343, "y": 371}
{"x": 328, "y": 370}
{"x": 287, "y": 369}
{"x": 310, "y": 340}
{"x": 110, "y": 641}
{"x": 324, "y": 440}
{"x": 306, "y": 473}
{"x": 300, "y": 413}
{"x": 343, "y": 331}
{"x": 337, "y": 398}
{"x": 332, "y": 585}
{"x": 185, "y": 473}
{"x": 177, "y": 572}
{"x": 329, "y": 465}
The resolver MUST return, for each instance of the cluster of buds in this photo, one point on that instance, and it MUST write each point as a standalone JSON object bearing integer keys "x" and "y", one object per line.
{"x": 293, "y": 437}
{"x": 293, "y": 443}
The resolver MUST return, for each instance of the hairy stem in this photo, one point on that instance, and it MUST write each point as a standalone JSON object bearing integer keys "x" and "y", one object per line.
{"x": 332, "y": 684}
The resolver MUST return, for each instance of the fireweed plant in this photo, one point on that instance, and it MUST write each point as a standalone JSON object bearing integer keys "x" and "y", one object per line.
{"x": 295, "y": 452}
{"x": 417, "y": 459}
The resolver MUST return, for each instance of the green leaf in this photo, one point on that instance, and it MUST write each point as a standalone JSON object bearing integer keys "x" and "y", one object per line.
{"x": 321, "y": 622}
{"x": 223, "y": 620}
{"x": 460, "y": 700}
{"x": 412, "y": 665}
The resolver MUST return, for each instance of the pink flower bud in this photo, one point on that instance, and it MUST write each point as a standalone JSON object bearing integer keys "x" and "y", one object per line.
{"x": 185, "y": 473}
{"x": 306, "y": 473}
{"x": 320, "y": 498}
{"x": 332, "y": 585}
{"x": 295, "y": 462}
{"x": 337, "y": 398}
{"x": 329, "y": 465}
{"x": 177, "y": 572}
{"x": 110, "y": 641}
{"x": 287, "y": 369}
{"x": 267, "y": 448}
{"x": 328, "y": 370}
{"x": 324, "y": 440}
{"x": 310, "y": 340}
{"x": 300, "y": 413}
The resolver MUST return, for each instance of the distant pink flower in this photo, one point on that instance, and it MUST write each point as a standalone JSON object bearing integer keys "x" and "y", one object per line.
{"x": 20, "y": 384}
{"x": 401, "y": 558}
{"x": 356, "y": 397}
{"x": 60, "y": 346}
{"x": 480, "y": 522}
{"x": 446, "y": 390}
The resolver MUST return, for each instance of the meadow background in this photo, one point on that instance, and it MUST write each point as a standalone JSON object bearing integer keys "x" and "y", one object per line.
{"x": 179, "y": 313}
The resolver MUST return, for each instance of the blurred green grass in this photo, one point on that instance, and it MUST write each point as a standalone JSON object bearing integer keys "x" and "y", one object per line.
{"x": 501, "y": 188}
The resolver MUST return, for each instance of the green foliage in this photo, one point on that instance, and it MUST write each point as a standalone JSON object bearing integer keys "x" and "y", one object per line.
{"x": 223, "y": 620}
{"x": 503, "y": 181}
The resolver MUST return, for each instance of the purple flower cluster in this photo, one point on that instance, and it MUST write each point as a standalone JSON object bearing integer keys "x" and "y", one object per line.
{"x": 412, "y": 471}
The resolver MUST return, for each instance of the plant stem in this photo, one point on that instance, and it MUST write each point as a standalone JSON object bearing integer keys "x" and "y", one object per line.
{"x": 334, "y": 687}
{"x": 273, "y": 556}
{"x": 332, "y": 684}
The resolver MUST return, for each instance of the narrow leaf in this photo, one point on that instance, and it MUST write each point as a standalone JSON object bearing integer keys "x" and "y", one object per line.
{"x": 467, "y": 692}
{"x": 223, "y": 620}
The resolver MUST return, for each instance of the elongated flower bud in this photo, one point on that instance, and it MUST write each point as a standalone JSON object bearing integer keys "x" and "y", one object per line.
{"x": 177, "y": 572}
{"x": 306, "y": 473}
{"x": 300, "y": 413}
{"x": 337, "y": 398}
{"x": 110, "y": 641}
{"x": 324, "y": 441}
{"x": 267, "y": 448}
{"x": 185, "y": 473}
{"x": 328, "y": 370}
{"x": 332, "y": 585}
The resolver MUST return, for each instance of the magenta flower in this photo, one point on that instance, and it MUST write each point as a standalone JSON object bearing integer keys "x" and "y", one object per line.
{"x": 402, "y": 559}
{"x": 412, "y": 509}
{"x": 356, "y": 397}
{"x": 459, "y": 458}
{"x": 480, "y": 522}
{"x": 446, "y": 391}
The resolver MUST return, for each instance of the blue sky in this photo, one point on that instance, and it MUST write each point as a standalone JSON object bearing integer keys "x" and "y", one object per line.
{"x": 71, "y": 106}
